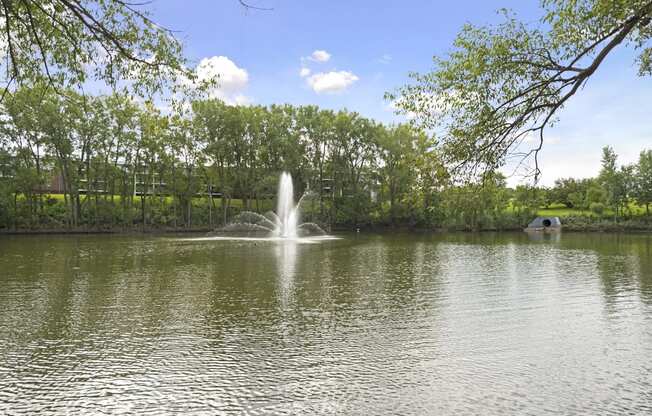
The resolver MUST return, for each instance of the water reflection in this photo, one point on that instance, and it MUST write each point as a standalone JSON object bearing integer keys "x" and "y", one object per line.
{"x": 286, "y": 260}
{"x": 544, "y": 236}
{"x": 463, "y": 323}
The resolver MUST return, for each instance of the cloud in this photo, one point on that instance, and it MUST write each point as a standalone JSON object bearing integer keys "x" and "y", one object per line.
{"x": 320, "y": 55}
{"x": 304, "y": 72}
{"x": 331, "y": 82}
{"x": 241, "y": 99}
{"x": 230, "y": 79}
{"x": 385, "y": 59}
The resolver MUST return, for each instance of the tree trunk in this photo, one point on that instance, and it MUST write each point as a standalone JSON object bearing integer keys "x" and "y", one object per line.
{"x": 321, "y": 191}
{"x": 189, "y": 215}
{"x": 224, "y": 208}
{"x": 174, "y": 194}
{"x": 210, "y": 205}
{"x": 15, "y": 216}
{"x": 142, "y": 209}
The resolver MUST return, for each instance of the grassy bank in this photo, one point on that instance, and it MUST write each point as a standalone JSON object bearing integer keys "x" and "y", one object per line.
{"x": 164, "y": 215}
{"x": 633, "y": 220}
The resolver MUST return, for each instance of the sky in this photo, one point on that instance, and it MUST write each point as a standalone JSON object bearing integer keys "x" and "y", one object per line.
{"x": 346, "y": 54}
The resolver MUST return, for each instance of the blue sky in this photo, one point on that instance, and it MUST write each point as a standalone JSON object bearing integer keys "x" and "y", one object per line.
{"x": 372, "y": 45}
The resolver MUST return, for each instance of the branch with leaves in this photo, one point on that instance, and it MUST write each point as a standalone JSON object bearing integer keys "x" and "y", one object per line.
{"x": 502, "y": 87}
{"x": 67, "y": 42}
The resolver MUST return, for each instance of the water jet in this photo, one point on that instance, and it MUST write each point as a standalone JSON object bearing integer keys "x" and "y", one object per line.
{"x": 283, "y": 224}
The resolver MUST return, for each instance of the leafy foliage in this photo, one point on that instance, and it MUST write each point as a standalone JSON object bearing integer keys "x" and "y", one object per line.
{"x": 65, "y": 43}
{"x": 502, "y": 86}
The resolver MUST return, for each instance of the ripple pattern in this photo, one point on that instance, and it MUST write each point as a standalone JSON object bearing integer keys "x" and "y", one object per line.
{"x": 410, "y": 325}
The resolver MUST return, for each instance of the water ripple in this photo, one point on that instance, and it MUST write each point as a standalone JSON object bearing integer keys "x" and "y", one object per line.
{"x": 362, "y": 324}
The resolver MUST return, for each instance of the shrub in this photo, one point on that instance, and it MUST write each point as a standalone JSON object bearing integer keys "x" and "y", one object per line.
{"x": 597, "y": 208}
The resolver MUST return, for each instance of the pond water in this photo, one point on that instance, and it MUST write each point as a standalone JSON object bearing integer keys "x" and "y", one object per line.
{"x": 367, "y": 324}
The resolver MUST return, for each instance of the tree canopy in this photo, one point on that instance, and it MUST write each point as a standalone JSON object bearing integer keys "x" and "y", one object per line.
{"x": 65, "y": 43}
{"x": 96, "y": 161}
{"x": 501, "y": 86}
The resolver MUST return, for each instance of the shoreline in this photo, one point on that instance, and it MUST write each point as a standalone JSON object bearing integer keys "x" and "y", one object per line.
{"x": 78, "y": 231}
{"x": 376, "y": 229}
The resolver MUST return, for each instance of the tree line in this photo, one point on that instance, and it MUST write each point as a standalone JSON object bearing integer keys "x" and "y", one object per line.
{"x": 621, "y": 189}
{"x": 79, "y": 161}
{"x": 118, "y": 162}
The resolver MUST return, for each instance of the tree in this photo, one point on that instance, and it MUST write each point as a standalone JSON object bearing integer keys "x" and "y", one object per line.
{"x": 618, "y": 183}
{"x": 65, "y": 43}
{"x": 21, "y": 128}
{"x": 527, "y": 200}
{"x": 504, "y": 84}
{"x": 399, "y": 148}
{"x": 609, "y": 178}
{"x": 643, "y": 180}
{"x": 596, "y": 194}
{"x": 115, "y": 149}
{"x": 355, "y": 141}
{"x": 190, "y": 152}
{"x": 431, "y": 178}
{"x": 316, "y": 129}
{"x": 7, "y": 184}
{"x": 565, "y": 189}
{"x": 477, "y": 205}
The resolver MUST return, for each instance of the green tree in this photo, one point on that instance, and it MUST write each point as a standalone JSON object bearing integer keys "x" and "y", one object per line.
{"x": 21, "y": 128}
{"x": 618, "y": 183}
{"x": 65, "y": 43}
{"x": 505, "y": 83}
{"x": 217, "y": 124}
{"x": 399, "y": 148}
{"x": 643, "y": 180}
{"x": 115, "y": 151}
{"x": 527, "y": 200}
{"x": 478, "y": 205}
{"x": 189, "y": 152}
{"x": 316, "y": 130}
{"x": 609, "y": 179}
{"x": 355, "y": 149}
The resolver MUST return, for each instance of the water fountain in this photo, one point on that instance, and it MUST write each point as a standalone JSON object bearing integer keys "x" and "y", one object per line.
{"x": 286, "y": 211}
{"x": 282, "y": 224}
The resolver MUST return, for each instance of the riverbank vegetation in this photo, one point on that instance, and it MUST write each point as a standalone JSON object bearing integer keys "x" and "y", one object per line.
{"x": 69, "y": 161}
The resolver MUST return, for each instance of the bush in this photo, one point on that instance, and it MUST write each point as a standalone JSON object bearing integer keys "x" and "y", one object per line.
{"x": 597, "y": 208}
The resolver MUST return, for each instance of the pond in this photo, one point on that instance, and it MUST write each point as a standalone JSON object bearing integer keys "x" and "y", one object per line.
{"x": 365, "y": 324}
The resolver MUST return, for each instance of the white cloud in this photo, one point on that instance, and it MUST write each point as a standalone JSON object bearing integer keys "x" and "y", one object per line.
{"x": 304, "y": 72}
{"x": 230, "y": 79}
{"x": 320, "y": 56}
{"x": 385, "y": 59}
{"x": 331, "y": 82}
{"x": 241, "y": 100}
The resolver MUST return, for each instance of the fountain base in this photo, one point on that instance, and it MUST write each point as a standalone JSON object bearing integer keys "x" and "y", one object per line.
{"x": 284, "y": 223}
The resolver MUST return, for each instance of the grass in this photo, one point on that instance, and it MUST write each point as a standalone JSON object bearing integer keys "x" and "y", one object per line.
{"x": 554, "y": 210}
{"x": 560, "y": 210}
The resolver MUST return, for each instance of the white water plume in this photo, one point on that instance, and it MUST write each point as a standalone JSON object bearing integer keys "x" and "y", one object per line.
{"x": 283, "y": 224}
